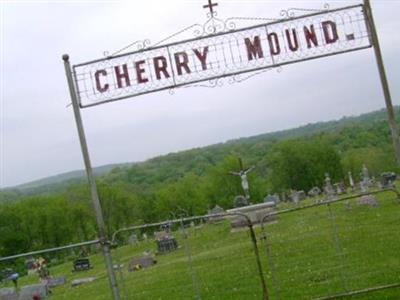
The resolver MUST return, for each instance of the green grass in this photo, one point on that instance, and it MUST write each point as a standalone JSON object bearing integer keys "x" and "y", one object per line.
{"x": 314, "y": 253}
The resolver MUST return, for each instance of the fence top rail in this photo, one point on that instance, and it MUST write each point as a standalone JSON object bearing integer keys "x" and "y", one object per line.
{"x": 180, "y": 220}
{"x": 289, "y": 210}
{"x": 49, "y": 250}
{"x": 360, "y": 292}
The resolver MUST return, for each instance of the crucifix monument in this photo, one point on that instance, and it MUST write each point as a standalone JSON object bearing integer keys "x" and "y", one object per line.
{"x": 243, "y": 176}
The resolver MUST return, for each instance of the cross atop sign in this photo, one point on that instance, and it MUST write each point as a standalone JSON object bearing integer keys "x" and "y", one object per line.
{"x": 210, "y": 6}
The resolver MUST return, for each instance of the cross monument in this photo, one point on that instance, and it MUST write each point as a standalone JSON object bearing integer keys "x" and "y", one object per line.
{"x": 243, "y": 176}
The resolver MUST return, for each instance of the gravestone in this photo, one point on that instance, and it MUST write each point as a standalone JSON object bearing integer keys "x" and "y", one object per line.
{"x": 166, "y": 227}
{"x": 387, "y": 180}
{"x": 363, "y": 187}
{"x": 30, "y": 264}
{"x": 240, "y": 201}
{"x": 8, "y": 294}
{"x": 365, "y": 182}
{"x": 81, "y": 264}
{"x": 302, "y": 195}
{"x": 295, "y": 197}
{"x": 118, "y": 267}
{"x": 368, "y": 200}
{"x": 255, "y": 213}
{"x": 81, "y": 281}
{"x": 351, "y": 181}
{"x": 57, "y": 281}
{"x": 314, "y": 192}
{"x": 272, "y": 198}
{"x": 215, "y": 211}
{"x": 165, "y": 242}
{"x": 340, "y": 188}
{"x": 29, "y": 291}
{"x": 328, "y": 188}
{"x": 139, "y": 263}
{"x": 133, "y": 239}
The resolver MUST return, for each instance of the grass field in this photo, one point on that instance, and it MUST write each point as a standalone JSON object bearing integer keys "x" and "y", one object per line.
{"x": 315, "y": 252}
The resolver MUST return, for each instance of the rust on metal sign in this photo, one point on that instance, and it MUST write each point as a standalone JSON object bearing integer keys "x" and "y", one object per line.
{"x": 220, "y": 55}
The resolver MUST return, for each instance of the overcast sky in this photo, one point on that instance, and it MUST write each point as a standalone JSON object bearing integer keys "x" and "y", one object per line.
{"x": 38, "y": 133}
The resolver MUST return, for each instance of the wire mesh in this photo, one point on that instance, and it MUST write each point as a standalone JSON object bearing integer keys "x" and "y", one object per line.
{"x": 335, "y": 248}
{"x": 70, "y": 272}
{"x": 212, "y": 261}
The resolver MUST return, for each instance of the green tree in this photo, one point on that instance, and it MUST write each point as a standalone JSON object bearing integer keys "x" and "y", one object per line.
{"x": 300, "y": 165}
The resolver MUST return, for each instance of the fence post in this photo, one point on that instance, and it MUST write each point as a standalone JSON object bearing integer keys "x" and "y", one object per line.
{"x": 270, "y": 260}
{"x": 258, "y": 260}
{"x": 190, "y": 260}
{"x": 338, "y": 247}
{"x": 92, "y": 182}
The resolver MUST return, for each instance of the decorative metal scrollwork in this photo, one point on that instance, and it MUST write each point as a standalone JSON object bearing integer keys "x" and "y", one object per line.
{"x": 215, "y": 25}
{"x": 292, "y": 12}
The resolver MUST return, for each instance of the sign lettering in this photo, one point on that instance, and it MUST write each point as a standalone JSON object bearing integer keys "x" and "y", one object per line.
{"x": 220, "y": 55}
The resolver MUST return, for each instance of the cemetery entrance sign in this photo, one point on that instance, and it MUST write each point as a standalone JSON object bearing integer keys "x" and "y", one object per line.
{"x": 213, "y": 56}
{"x": 219, "y": 55}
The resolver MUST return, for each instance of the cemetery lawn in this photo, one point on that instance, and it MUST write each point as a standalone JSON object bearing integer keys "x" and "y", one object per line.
{"x": 304, "y": 250}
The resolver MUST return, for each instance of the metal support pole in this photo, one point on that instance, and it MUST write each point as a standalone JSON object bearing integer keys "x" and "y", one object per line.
{"x": 93, "y": 188}
{"x": 385, "y": 85}
{"x": 258, "y": 260}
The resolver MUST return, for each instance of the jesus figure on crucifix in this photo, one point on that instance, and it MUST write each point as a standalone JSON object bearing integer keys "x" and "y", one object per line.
{"x": 243, "y": 176}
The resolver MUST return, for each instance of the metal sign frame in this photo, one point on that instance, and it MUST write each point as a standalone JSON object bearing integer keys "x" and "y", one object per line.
{"x": 102, "y": 64}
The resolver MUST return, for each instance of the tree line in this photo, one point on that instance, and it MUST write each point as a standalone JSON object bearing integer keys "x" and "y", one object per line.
{"x": 195, "y": 181}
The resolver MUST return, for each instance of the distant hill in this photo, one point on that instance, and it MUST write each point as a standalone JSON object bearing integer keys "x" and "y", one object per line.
{"x": 171, "y": 167}
{"x": 62, "y": 179}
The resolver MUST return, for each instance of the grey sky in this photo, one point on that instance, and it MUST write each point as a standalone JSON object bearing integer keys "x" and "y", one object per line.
{"x": 38, "y": 134}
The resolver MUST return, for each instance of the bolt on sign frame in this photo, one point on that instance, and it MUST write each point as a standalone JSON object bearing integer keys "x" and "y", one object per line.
{"x": 214, "y": 56}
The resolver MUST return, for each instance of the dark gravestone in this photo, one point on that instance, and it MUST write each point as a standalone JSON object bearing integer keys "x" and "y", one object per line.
{"x": 139, "y": 263}
{"x": 387, "y": 180}
{"x": 29, "y": 292}
{"x": 165, "y": 242}
{"x": 81, "y": 264}
{"x": 167, "y": 245}
{"x": 240, "y": 201}
{"x": 8, "y": 294}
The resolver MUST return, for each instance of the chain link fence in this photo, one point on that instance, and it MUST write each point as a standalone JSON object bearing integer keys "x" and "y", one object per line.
{"x": 313, "y": 250}
{"x": 190, "y": 258}
{"x": 335, "y": 249}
